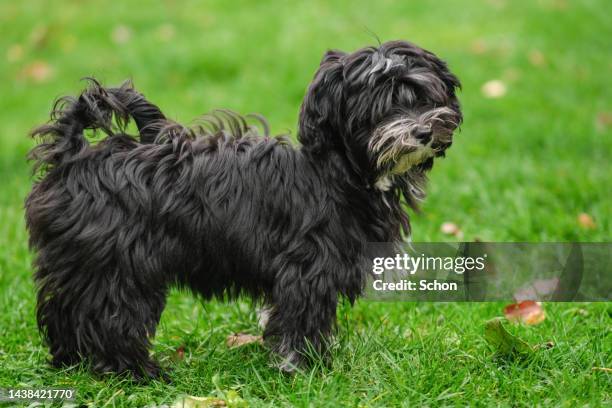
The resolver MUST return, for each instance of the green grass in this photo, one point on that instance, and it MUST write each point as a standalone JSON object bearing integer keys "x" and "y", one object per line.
{"x": 522, "y": 169}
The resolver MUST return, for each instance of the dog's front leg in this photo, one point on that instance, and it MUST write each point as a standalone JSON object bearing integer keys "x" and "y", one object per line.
{"x": 303, "y": 315}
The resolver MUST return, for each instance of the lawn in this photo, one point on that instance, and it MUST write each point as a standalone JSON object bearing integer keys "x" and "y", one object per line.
{"x": 525, "y": 165}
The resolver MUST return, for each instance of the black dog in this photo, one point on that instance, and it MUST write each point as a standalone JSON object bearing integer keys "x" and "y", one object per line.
{"x": 224, "y": 211}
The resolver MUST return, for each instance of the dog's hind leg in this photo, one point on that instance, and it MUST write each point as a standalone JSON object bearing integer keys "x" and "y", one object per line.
{"x": 119, "y": 340}
{"x": 89, "y": 310}
{"x": 303, "y": 315}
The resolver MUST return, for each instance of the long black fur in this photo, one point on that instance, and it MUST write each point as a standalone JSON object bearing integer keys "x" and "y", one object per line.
{"x": 218, "y": 208}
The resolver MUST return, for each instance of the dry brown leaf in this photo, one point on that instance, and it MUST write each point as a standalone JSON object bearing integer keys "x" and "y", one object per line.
{"x": 39, "y": 71}
{"x": 241, "y": 339}
{"x": 180, "y": 352}
{"x": 586, "y": 221}
{"x": 528, "y": 312}
{"x": 494, "y": 88}
{"x": 450, "y": 228}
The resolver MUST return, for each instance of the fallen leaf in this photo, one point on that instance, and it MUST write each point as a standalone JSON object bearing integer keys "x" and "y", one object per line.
{"x": 450, "y": 228}
{"x": 503, "y": 342}
{"x": 536, "y": 58}
{"x": 586, "y": 221}
{"x": 494, "y": 88}
{"x": 39, "y": 71}
{"x": 180, "y": 352}
{"x": 528, "y": 312}
{"x": 241, "y": 339}
{"x": 199, "y": 402}
{"x": 121, "y": 34}
{"x": 14, "y": 53}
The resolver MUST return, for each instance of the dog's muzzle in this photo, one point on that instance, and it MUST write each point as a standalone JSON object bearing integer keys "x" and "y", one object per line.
{"x": 407, "y": 141}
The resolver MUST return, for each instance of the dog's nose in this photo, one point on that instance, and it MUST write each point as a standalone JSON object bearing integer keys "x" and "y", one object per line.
{"x": 423, "y": 134}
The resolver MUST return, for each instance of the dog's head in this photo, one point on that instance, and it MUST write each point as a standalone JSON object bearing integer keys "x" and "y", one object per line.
{"x": 389, "y": 110}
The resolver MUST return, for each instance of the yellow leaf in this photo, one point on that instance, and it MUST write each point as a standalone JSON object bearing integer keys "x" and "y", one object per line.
{"x": 528, "y": 312}
{"x": 586, "y": 221}
{"x": 39, "y": 71}
{"x": 494, "y": 88}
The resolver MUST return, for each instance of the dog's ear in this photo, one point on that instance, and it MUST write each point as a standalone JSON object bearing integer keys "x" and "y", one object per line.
{"x": 321, "y": 111}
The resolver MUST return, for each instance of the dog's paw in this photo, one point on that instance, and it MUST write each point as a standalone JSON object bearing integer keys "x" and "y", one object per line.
{"x": 291, "y": 363}
{"x": 153, "y": 371}
{"x": 147, "y": 372}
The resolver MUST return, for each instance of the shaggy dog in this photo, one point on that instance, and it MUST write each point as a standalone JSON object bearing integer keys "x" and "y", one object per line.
{"x": 222, "y": 210}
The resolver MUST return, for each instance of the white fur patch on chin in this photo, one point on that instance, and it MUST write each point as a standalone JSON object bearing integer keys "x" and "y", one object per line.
{"x": 409, "y": 160}
{"x": 384, "y": 183}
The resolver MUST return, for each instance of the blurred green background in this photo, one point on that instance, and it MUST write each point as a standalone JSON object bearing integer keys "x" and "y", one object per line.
{"x": 535, "y": 148}
{"x": 531, "y": 163}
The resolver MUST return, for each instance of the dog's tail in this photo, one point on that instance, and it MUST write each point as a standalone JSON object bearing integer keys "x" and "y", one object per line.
{"x": 97, "y": 108}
